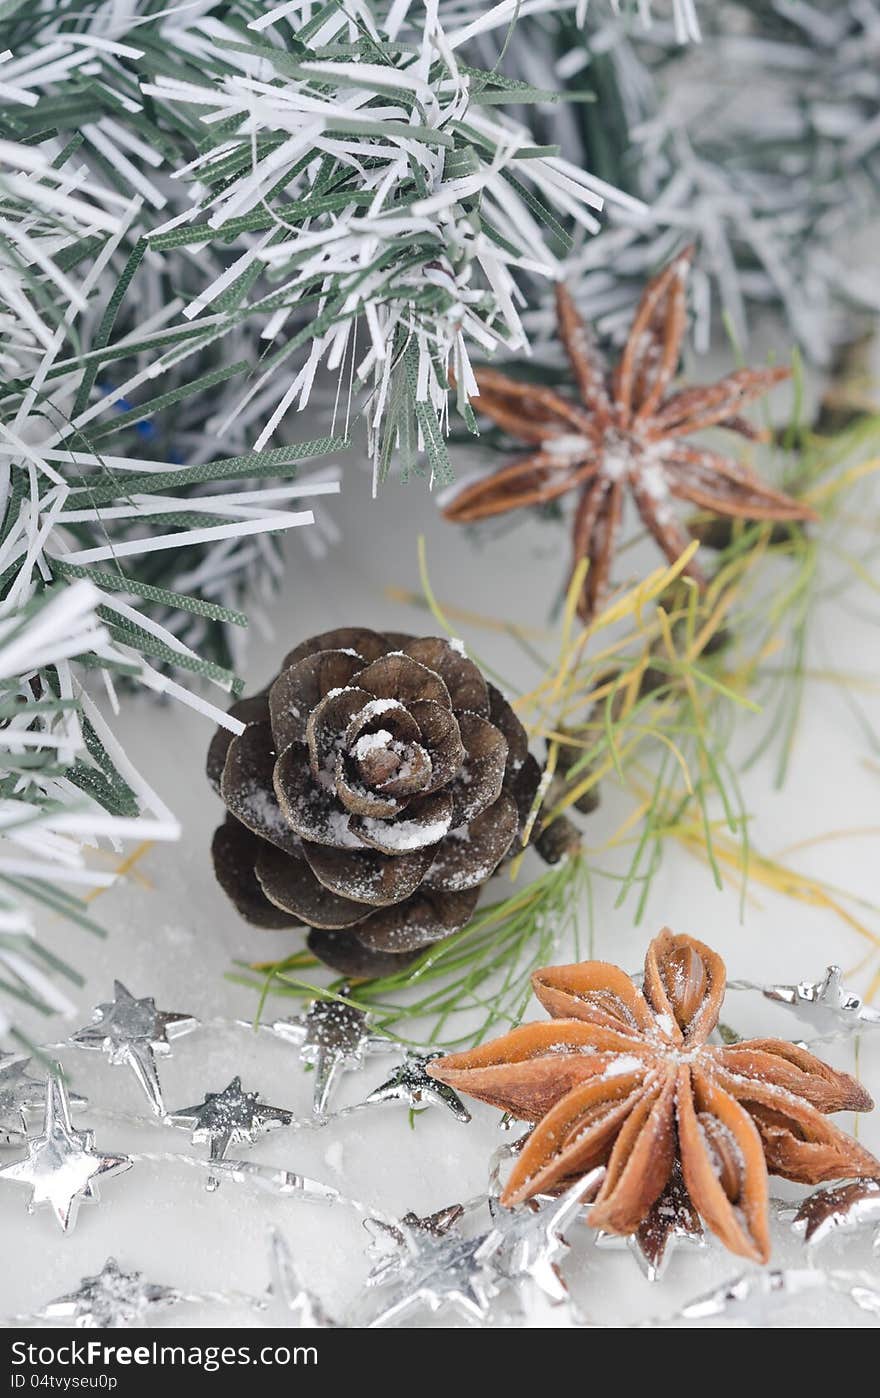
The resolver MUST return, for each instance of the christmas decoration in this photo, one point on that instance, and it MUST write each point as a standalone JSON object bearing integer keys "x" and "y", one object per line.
{"x": 772, "y": 191}
{"x": 445, "y": 1273}
{"x": 624, "y": 435}
{"x": 532, "y": 1238}
{"x": 146, "y": 464}
{"x": 133, "y": 1032}
{"x": 381, "y": 782}
{"x": 287, "y": 1292}
{"x": 412, "y": 1084}
{"x": 113, "y": 1299}
{"x": 479, "y": 1262}
{"x": 61, "y": 1166}
{"x": 848, "y": 1208}
{"x": 214, "y": 216}
{"x": 671, "y": 1221}
{"x": 827, "y": 1004}
{"x": 230, "y": 1117}
{"x": 196, "y": 216}
{"x": 629, "y": 1078}
{"x": 332, "y": 1038}
{"x": 19, "y": 1092}
{"x": 387, "y": 1236}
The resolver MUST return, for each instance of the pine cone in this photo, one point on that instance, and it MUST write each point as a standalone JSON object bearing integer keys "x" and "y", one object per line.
{"x": 379, "y": 783}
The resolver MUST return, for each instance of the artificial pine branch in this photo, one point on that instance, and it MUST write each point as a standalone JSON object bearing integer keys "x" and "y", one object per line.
{"x": 772, "y": 191}
{"x": 199, "y": 205}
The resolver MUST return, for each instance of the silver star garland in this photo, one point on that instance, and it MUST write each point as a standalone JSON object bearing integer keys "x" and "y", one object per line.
{"x": 334, "y": 1038}
{"x": 530, "y": 1240}
{"x": 61, "y": 1166}
{"x": 113, "y": 1299}
{"x": 846, "y": 1208}
{"x": 409, "y": 1083}
{"x": 826, "y": 1004}
{"x": 230, "y": 1117}
{"x": 386, "y": 1237}
{"x": 437, "y": 1273}
{"x": 671, "y": 1222}
{"x": 133, "y": 1032}
{"x": 19, "y": 1091}
{"x": 424, "y": 1261}
{"x": 288, "y": 1294}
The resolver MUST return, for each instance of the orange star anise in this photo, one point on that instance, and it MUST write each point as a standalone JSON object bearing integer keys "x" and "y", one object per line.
{"x": 626, "y": 432}
{"x": 628, "y": 1079}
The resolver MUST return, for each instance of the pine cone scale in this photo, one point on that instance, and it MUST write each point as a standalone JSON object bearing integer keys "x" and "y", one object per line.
{"x": 246, "y": 786}
{"x": 290, "y": 885}
{"x": 296, "y": 691}
{"x": 424, "y": 918}
{"x": 468, "y": 856}
{"x": 367, "y": 875}
{"x": 235, "y": 850}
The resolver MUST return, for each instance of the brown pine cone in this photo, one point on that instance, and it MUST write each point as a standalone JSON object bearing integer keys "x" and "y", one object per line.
{"x": 379, "y": 783}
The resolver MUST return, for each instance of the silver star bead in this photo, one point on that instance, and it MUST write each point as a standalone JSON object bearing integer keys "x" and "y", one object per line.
{"x": 133, "y": 1032}
{"x": 846, "y": 1208}
{"x": 530, "y": 1238}
{"x": 410, "y": 1084}
{"x": 449, "y": 1272}
{"x": 334, "y": 1038}
{"x": 230, "y": 1117}
{"x": 288, "y": 1293}
{"x": 827, "y": 1004}
{"x": 61, "y": 1166}
{"x": 19, "y": 1091}
{"x": 114, "y": 1299}
{"x": 389, "y": 1243}
{"x": 671, "y": 1222}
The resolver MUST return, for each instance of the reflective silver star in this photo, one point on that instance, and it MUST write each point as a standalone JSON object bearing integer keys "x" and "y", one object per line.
{"x": 113, "y": 1299}
{"x": 230, "y": 1117}
{"x": 288, "y": 1293}
{"x": 389, "y": 1243}
{"x": 671, "y": 1221}
{"x": 437, "y": 1273}
{"x": 334, "y": 1038}
{"x": 847, "y": 1208}
{"x": 134, "y": 1032}
{"x": 754, "y": 1292}
{"x": 19, "y": 1091}
{"x": 410, "y": 1084}
{"x": 61, "y": 1166}
{"x": 530, "y": 1238}
{"x": 826, "y": 1004}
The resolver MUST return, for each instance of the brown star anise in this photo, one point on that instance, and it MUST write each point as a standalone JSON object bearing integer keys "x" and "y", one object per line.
{"x": 626, "y": 432}
{"x": 628, "y": 1079}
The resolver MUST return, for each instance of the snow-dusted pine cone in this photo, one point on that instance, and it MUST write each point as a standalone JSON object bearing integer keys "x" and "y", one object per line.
{"x": 379, "y": 783}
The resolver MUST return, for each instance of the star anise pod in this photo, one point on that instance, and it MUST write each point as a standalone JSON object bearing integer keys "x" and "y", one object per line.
{"x": 628, "y": 1079}
{"x": 627, "y": 433}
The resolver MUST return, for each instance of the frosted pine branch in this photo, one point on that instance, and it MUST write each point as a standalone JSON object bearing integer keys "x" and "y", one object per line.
{"x": 771, "y": 191}
{"x": 80, "y": 512}
{"x": 381, "y": 188}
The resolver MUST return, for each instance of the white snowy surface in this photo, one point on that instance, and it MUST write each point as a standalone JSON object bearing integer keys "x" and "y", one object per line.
{"x": 172, "y": 934}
